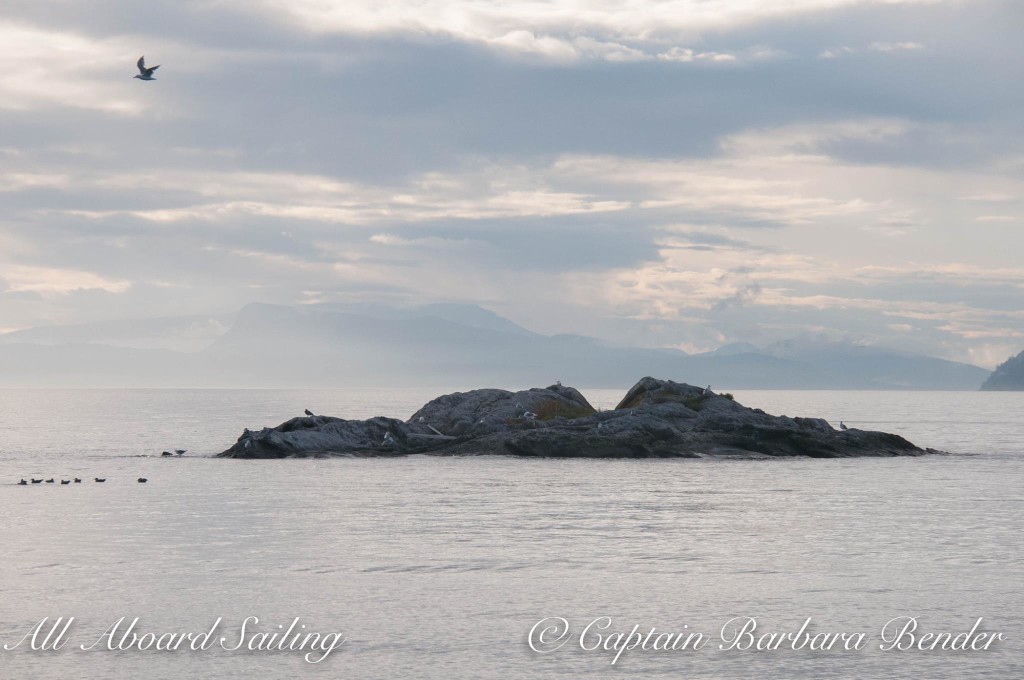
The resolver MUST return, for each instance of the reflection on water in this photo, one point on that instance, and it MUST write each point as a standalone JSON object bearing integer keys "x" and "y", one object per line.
{"x": 438, "y": 567}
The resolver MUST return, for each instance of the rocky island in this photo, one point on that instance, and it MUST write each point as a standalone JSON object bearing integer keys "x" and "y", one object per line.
{"x": 656, "y": 418}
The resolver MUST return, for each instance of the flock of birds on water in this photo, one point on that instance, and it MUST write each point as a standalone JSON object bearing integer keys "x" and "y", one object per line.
{"x": 97, "y": 480}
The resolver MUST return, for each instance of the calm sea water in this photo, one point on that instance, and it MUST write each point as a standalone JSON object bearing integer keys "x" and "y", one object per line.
{"x": 439, "y": 567}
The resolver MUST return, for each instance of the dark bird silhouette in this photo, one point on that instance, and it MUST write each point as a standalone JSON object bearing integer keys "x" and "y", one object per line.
{"x": 145, "y": 73}
{"x": 23, "y": 483}
{"x": 842, "y": 426}
{"x": 142, "y": 480}
{"x": 166, "y": 453}
{"x": 78, "y": 480}
{"x": 310, "y": 413}
{"x": 65, "y": 481}
{"x": 50, "y": 480}
{"x": 97, "y": 479}
{"x": 37, "y": 481}
{"x": 180, "y": 451}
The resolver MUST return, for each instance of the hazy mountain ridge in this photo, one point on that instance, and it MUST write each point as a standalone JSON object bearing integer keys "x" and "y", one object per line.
{"x": 1008, "y": 376}
{"x": 361, "y": 345}
{"x": 181, "y": 333}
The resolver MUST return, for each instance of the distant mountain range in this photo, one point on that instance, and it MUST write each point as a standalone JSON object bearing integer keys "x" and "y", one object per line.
{"x": 449, "y": 345}
{"x": 1009, "y": 375}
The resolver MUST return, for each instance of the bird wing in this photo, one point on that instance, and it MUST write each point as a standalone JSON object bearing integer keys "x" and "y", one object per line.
{"x": 153, "y": 68}
{"x": 142, "y": 65}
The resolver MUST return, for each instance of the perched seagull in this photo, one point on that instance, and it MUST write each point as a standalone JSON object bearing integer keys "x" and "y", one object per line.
{"x": 530, "y": 415}
{"x": 423, "y": 419}
{"x": 310, "y": 413}
{"x": 842, "y": 426}
{"x": 146, "y": 73}
{"x": 707, "y": 390}
{"x": 388, "y": 439}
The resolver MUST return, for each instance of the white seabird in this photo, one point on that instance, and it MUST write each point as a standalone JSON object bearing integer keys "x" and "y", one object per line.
{"x": 707, "y": 391}
{"x": 145, "y": 73}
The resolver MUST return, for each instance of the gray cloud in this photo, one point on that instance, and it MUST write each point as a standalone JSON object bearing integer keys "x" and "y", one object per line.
{"x": 698, "y": 182}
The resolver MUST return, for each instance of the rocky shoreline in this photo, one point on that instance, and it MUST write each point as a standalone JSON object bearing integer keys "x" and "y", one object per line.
{"x": 656, "y": 419}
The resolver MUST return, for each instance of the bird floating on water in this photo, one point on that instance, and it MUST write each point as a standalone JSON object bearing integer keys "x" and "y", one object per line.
{"x": 37, "y": 481}
{"x": 78, "y": 480}
{"x": 145, "y": 73}
{"x": 97, "y": 479}
{"x": 65, "y": 481}
{"x": 23, "y": 483}
{"x": 166, "y": 453}
{"x": 50, "y": 480}
{"x": 181, "y": 452}
{"x": 142, "y": 480}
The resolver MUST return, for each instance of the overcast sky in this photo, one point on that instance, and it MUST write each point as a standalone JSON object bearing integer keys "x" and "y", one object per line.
{"x": 684, "y": 173}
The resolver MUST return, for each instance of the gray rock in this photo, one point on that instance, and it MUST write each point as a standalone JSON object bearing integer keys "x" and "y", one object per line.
{"x": 656, "y": 418}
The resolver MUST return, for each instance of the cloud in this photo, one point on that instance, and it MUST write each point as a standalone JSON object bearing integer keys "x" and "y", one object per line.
{"x": 28, "y": 279}
{"x": 678, "y": 173}
{"x": 884, "y": 47}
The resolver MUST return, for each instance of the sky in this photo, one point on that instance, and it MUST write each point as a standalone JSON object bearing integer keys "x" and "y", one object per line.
{"x": 681, "y": 173}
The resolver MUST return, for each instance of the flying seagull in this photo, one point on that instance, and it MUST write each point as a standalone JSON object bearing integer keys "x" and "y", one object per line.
{"x": 146, "y": 73}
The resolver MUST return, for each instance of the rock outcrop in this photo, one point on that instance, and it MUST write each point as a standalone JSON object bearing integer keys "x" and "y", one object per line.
{"x": 656, "y": 418}
{"x": 1008, "y": 376}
